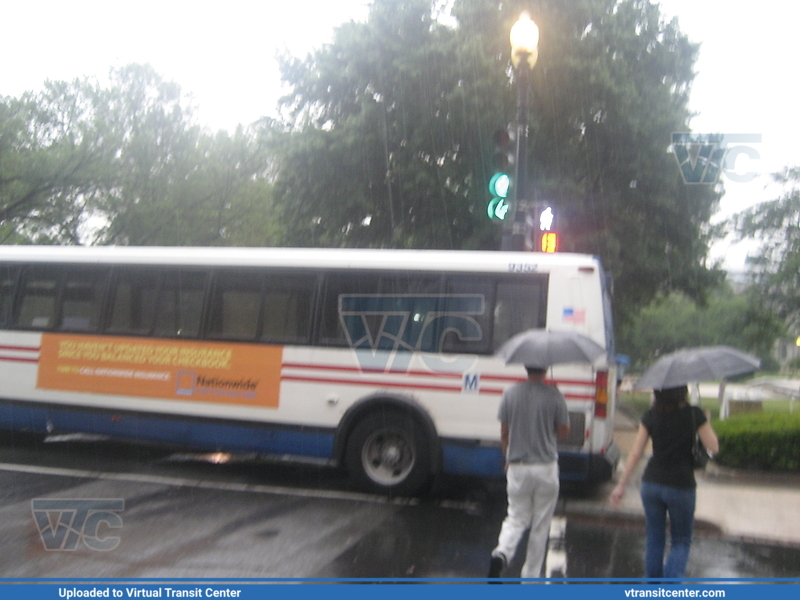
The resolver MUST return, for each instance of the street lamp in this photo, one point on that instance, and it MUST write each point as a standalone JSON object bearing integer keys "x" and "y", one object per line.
{"x": 524, "y": 41}
{"x": 524, "y": 52}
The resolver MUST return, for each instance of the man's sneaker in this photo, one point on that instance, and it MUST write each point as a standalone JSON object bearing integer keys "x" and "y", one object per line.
{"x": 496, "y": 566}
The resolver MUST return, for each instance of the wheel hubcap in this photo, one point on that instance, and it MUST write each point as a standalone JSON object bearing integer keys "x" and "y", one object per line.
{"x": 388, "y": 457}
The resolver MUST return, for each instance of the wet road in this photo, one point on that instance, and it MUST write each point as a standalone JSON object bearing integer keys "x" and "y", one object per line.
{"x": 210, "y": 516}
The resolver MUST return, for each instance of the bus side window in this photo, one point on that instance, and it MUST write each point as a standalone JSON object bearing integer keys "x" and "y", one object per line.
{"x": 287, "y": 309}
{"x": 8, "y": 276}
{"x": 235, "y": 306}
{"x": 82, "y": 299}
{"x": 180, "y": 304}
{"x": 37, "y": 304}
{"x": 465, "y": 326}
{"x": 134, "y": 301}
{"x": 350, "y": 285}
{"x": 416, "y": 299}
{"x": 517, "y": 307}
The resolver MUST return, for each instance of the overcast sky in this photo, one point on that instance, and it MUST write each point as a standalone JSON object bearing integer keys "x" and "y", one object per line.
{"x": 223, "y": 54}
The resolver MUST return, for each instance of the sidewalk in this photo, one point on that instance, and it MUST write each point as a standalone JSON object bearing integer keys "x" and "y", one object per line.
{"x": 759, "y": 507}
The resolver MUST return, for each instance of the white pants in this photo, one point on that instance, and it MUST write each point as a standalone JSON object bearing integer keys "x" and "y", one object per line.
{"x": 532, "y": 496}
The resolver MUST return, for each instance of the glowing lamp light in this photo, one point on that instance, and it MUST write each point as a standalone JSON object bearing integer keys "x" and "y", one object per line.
{"x": 524, "y": 41}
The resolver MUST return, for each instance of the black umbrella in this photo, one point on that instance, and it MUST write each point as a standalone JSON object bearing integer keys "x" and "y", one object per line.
{"x": 692, "y": 365}
{"x": 542, "y": 348}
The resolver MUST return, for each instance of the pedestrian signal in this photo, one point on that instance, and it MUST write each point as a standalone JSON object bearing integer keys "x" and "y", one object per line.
{"x": 548, "y": 241}
{"x": 546, "y": 231}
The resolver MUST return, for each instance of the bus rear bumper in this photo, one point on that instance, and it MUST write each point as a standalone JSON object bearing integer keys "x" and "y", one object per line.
{"x": 589, "y": 469}
{"x": 487, "y": 461}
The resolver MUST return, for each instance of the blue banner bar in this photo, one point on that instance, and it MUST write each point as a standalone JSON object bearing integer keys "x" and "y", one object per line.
{"x": 293, "y": 589}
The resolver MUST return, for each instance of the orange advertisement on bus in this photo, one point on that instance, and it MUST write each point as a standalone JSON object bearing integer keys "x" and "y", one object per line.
{"x": 247, "y": 374}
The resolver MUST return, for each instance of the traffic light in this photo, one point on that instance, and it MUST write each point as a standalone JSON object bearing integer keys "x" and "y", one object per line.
{"x": 499, "y": 187}
{"x": 546, "y": 234}
{"x": 500, "y": 183}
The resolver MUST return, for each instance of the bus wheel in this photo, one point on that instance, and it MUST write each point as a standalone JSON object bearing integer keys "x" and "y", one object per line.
{"x": 388, "y": 453}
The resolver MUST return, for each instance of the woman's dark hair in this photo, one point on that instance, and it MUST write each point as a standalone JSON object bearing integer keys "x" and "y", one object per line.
{"x": 670, "y": 398}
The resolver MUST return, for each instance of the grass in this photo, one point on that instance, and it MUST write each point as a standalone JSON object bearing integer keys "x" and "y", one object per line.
{"x": 639, "y": 402}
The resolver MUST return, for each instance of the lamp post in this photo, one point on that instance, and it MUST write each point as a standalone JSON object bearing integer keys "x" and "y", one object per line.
{"x": 524, "y": 52}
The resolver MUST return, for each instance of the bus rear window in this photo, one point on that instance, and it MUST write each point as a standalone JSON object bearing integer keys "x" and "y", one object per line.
{"x": 517, "y": 307}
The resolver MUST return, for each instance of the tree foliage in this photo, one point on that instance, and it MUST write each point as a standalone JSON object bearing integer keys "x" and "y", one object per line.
{"x": 382, "y": 132}
{"x": 51, "y": 161}
{"x": 675, "y": 322}
{"x": 126, "y": 164}
{"x": 388, "y": 133}
{"x": 774, "y": 267}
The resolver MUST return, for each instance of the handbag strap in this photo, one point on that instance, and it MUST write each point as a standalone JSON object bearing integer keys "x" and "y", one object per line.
{"x": 694, "y": 427}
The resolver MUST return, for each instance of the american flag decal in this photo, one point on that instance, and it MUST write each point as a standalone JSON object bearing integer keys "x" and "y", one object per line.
{"x": 571, "y": 315}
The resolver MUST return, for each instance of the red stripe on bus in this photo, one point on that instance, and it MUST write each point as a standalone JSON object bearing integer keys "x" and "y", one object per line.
{"x": 370, "y": 371}
{"x": 409, "y": 386}
{"x": 440, "y": 388}
{"x": 21, "y": 348}
{"x": 505, "y": 378}
{"x": 18, "y": 359}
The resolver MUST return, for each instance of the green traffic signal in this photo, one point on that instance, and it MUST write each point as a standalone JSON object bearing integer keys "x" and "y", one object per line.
{"x": 499, "y": 185}
{"x": 497, "y": 208}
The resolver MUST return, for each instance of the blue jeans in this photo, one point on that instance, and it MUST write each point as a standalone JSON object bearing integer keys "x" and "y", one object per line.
{"x": 660, "y": 501}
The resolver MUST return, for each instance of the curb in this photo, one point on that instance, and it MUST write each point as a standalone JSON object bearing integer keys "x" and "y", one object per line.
{"x": 630, "y": 518}
{"x": 720, "y": 474}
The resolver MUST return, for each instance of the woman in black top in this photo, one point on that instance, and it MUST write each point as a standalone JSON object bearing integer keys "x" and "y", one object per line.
{"x": 668, "y": 484}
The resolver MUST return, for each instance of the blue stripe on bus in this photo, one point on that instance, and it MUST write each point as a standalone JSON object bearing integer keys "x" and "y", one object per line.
{"x": 479, "y": 461}
{"x": 483, "y": 461}
{"x": 195, "y": 434}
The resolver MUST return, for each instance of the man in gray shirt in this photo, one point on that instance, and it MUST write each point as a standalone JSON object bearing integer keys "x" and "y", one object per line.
{"x": 532, "y": 415}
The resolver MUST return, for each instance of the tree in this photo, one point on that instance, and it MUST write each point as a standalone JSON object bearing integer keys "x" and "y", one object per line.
{"x": 675, "y": 321}
{"x": 388, "y": 136}
{"x": 775, "y": 265}
{"x": 382, "y": 134}
{"x": 178, "y": 184}
{"x": 126, "y": 164}
{"x": 51, "y": 158}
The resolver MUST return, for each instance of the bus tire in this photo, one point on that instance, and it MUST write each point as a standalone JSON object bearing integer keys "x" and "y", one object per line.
{"x": 388, "y": 453}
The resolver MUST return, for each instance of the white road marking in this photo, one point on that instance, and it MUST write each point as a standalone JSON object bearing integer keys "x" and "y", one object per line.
{"x": 556, "y": 559}
{"x": 233, "y": 487}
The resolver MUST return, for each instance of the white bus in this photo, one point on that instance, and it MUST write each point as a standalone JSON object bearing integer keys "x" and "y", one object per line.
{"x": 377, "y": 360}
